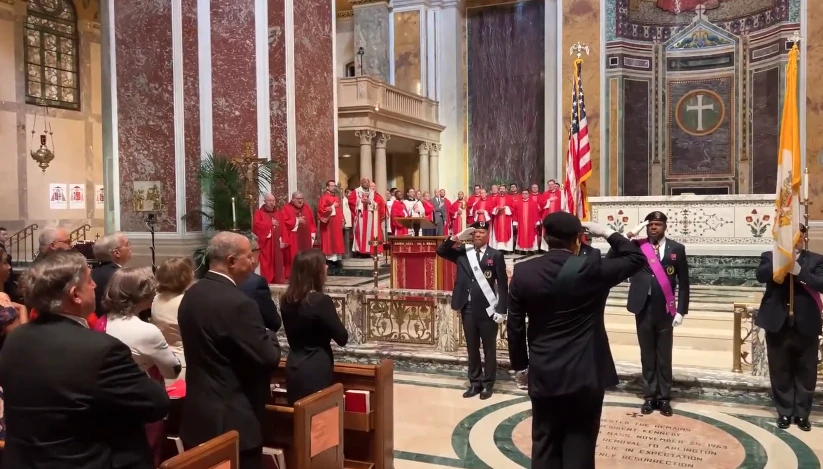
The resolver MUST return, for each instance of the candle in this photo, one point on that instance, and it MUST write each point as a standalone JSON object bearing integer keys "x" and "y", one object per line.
{"x": 233, "y": 214}
{"x": 806, "y": 185}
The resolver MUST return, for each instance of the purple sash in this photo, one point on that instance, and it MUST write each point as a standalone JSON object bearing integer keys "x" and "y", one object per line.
{"x": 660, "y": 275}
{"x": 815, "y": 296}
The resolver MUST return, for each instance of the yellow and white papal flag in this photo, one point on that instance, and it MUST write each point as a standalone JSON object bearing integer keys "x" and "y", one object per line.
{"x": 786, "y": 230}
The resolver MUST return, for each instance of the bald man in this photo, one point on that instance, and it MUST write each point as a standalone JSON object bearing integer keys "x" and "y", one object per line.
{"x": 299, "y": 229}
{"x": 266, "y": 226}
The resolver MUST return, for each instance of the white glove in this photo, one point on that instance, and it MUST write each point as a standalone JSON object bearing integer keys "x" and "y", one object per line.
{"x": 678, "y": 320}
{"x": 597, "y": 229}
{"x": 499, "y": 318}
{"x": 637, "y": 230}
{"x": 465, "y": 234}
{"x": 796, "y": 269}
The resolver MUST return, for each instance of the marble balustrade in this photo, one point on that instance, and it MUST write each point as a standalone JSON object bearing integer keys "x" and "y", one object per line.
{"x": 417, "y": 317}
{"x": 709, "y": 225}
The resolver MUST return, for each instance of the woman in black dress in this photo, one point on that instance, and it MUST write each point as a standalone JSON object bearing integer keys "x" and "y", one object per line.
{"x": 311, "y": 322}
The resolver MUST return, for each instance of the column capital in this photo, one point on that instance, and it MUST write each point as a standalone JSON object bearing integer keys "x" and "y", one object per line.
{"x": 363, "y": 3}
{"x": 365, "y": 135}
{"x": 434, "y": 149}
{"x": 382, "y": 140}
{"x": 423, "y": 147}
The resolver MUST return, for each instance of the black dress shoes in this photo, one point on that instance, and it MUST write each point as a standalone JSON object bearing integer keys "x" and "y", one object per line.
{"x": 648, "y": 406}
{"x": 472, "y": 391}
{"x": 783, "y": 422}
{"x": 802, "y": 423}
{"x": 665, "y": 408}
{"x": 486, "y": 392}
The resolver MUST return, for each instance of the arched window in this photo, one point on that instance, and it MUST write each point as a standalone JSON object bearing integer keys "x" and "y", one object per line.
{"x": 51, "y": 54}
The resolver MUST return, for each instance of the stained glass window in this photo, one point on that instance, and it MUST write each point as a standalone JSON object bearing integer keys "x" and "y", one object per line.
{"x": 51, "y": 54}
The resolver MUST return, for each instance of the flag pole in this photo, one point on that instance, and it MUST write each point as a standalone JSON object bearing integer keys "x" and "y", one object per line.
{"x": 804, "y": 201}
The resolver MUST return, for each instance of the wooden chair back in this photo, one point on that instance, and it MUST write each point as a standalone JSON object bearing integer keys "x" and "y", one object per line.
{"x": 222, "y": 452}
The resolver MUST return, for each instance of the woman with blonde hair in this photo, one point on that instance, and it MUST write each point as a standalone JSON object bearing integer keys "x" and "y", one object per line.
{"x": 311, "y": 323}
{"x": 174, "y": 277}
{"x": 130, "y": 291}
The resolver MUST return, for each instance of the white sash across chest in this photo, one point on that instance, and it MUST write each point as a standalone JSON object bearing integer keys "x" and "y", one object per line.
{"x": 481, "y": 280}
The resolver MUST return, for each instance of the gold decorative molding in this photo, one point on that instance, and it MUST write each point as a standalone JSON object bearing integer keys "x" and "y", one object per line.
{"x": 362, "y": 3}
{"x": 345, "y": 14}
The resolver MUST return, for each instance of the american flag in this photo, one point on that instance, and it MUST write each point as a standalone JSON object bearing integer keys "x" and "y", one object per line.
{"x": 578, "y": 159}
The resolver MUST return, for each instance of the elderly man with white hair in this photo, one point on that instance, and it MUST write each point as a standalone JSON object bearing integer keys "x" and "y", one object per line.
{"x": 53, "y": 240}
{"x": 113, "y": 251}
{"x": 266, "y": 226}
{"x": 229, "y": 357}
{"x": 299, "y": 229}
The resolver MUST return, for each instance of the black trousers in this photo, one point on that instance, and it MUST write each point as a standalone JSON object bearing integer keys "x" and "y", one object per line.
{"x": 251, "y": 458}
{"x": 564, "y": 430}
{"x": 655, "y": 334}
{"x": 479, "y": 327}
{"x": 792, "y": 370}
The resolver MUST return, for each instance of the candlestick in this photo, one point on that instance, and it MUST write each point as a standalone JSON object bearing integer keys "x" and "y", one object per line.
{"x": 806, "y": 184}
{"x": 233, "y": 214}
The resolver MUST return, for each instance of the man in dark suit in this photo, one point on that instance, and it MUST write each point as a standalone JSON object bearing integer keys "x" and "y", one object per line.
{"x": 229, "y": 357}
{"x": 569, "y": 361}
{"x": 257, "y": 288}
{"x": 73, "y": 397}
{"x": 791, "y": 341}
{"x": 481, "y": 293}
{"x": 441, "y": 212}
{"x": 652, "y": 300}
{"x": 113, "y": 251}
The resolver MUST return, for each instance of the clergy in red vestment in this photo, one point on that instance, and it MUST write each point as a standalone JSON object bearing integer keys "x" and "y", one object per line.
{"x": 470, "y": 204}
{"x": 299, "y": 229}
{"x": 550, "y": 202}
{"x": 266, "y": 226}
{"x": 368, "y": 210}
{"x": 457, "y": 214}
{"x": 399, "y": 210}
{"x": 502, "y": 237}
{"x": 527, "y": 218}
{"x": 481, "y": 209}
{"x": 428, "y": 213}
{"x": 330, "y": 217}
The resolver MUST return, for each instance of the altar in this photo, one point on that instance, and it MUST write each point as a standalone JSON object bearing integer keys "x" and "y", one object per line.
{"x": 724, "y": 234}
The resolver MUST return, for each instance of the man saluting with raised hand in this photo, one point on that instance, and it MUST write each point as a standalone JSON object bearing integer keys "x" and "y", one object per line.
{"x": 652, "y": 300}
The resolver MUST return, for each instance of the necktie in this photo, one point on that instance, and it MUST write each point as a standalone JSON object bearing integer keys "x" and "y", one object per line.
{"x": 477, "y": 251}
{"x": 657, "y": 250}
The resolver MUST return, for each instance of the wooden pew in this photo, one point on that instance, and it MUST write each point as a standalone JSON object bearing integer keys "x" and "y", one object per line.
{"x": 368, "y": 438}
{"x": 222, "y": 452}
{"x": 311, "y": 432}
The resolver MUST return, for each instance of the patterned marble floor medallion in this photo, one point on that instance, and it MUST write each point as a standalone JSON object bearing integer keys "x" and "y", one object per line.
{"x": 496, "y": 434}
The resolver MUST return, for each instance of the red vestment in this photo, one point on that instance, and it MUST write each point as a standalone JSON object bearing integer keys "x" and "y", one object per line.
{"x": 470, "y": 204}
{"x": 549, "y": 202}
{"x": 298, "y": 237}
{"x": 398, "y": 210}
{"x": 484, "y": 206}
{"x": 457, "y": 220}
{"x": 527, "y": 216}
{"x": 502, "y": 224}
{"x": 428, "y": 210}
{"x": 367, "y": 220}
{"x": 330, "y": 216}
{"x": 268, "y": 240}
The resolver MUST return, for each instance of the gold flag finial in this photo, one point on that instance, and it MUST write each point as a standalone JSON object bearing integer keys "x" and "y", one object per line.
{"x": 578, "y": 49}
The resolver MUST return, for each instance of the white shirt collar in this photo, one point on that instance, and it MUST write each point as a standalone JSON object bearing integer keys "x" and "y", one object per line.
{"x": 76, "y": 319}
{"x": 225, "y": 276}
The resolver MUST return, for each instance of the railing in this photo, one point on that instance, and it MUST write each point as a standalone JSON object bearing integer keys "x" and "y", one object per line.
{"x": 366, "y": 93}
{"x": 79, "y": 234}
{"x": 744, "y": 331}
{"x": 21, "y": 245}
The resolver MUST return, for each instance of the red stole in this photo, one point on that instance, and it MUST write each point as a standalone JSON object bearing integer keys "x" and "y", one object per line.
{"x": 502, "y": 224}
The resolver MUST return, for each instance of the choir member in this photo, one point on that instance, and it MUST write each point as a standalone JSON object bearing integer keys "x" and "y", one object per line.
{"x": 266, "y": 226}
{"x": 330, "y": 216}
{"x": 299, "y": 229}
{"x": 527, "y": 218}
{"x": 368, "y": 209}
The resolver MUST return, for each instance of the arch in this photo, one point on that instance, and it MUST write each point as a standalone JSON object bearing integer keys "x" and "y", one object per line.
{"x": 51, "y": 54}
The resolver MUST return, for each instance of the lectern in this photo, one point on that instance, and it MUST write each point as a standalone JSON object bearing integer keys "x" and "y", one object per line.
{"x": 415, "y": 265}
{"x": 415, "y": 224}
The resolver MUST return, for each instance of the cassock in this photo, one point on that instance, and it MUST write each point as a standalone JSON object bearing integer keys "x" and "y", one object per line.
{"x": 268, "y": 240}
{"x": 481, "y": 210}
{"x": 457, "y": 216}
{"x": 398, "y": 210}
{"x": 501, "y": 235}
{"x": 549, "y": 203}
{"x": 472, "y": 200}
{"x": 298, "y": 236}
{"x": 367, "y": 219}
{"x": 330, "y": 217}
{"x": 527, "y": 218}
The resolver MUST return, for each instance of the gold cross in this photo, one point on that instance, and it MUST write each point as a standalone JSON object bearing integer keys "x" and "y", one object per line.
{"x": 247, "y": 164}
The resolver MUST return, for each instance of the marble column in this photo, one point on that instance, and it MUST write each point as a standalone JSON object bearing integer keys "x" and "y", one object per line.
{"x": 423, "y": 166}
{"x": 366, "y": 137}
{"x": 380, "y": 171}
{"x": 371, "y": 32}
{"x": 434, "y": 163}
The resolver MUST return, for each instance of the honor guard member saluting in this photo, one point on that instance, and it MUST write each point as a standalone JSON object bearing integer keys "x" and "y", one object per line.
{"x": 481, "y": 293}
{"x": 651, "y": 299}
{"x": 563, "y": 294}
{"x": 791, "y": 341}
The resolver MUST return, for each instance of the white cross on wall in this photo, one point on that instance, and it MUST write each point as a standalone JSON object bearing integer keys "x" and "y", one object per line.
{"x": 700, "y": 108}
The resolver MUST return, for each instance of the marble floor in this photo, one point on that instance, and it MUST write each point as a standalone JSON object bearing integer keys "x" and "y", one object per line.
{"x": 436, "y": 428}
